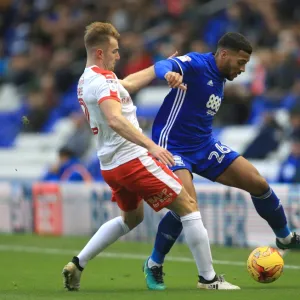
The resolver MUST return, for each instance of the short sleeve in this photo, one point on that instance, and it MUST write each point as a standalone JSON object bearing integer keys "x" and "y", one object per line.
{"x": 105, "y": 86}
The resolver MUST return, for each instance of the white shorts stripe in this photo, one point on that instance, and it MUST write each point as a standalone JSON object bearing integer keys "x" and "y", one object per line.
{"x": 160, "y": 174}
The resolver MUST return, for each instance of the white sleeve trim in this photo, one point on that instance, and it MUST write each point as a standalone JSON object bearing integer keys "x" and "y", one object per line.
{"x": 178, "y": 66}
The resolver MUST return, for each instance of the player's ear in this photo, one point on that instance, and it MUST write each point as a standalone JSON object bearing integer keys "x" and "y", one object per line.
{"x": 223, "y": 53}
{"x": 99, "y": 53}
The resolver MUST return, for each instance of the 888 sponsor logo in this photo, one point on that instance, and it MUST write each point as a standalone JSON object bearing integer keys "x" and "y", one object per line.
{"x": 213, "y": 104}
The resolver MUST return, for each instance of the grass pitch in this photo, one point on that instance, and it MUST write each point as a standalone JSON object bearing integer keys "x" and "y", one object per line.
{"x": 31, "y": 269}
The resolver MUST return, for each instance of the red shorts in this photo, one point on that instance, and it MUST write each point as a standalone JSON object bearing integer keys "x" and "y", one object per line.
{"x": 142, "y": 178}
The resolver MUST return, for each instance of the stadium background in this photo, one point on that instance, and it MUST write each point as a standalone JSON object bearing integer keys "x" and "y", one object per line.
{"x": 50, "y": 181}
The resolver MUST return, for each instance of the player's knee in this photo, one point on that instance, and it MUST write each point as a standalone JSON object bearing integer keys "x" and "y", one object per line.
{"x": 192, "y": 204}
{"x": 188, "y": 205}
{"x": 133, "y": 220}
{"x": 183, "y": 204}
{"x": 259, "y": 185}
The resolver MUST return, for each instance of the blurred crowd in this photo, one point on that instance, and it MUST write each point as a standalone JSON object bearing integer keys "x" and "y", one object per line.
{"x": 42, "y": 56}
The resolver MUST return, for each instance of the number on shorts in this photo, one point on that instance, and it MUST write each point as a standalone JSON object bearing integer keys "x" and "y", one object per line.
{"x": 223, "y": 150}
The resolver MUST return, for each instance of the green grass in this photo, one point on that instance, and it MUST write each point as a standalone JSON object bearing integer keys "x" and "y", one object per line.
{"x": 37, "y": 276}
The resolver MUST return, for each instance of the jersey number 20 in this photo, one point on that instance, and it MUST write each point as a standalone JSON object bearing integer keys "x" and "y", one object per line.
{"x": 219, "y": 156}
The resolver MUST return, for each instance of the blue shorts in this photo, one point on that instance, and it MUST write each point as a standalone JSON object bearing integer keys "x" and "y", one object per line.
{"x": 209, "y": 162}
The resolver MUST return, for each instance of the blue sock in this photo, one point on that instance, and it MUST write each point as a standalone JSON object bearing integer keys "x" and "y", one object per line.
{"x": 269, "y": 208}
{"x": 168, "y": 231}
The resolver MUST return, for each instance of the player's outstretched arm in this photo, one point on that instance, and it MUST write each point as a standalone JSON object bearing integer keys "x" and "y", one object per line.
{"x": 112, "y": 111}
{"x": 138, "y": 80}
{"x": 134, "y": 82}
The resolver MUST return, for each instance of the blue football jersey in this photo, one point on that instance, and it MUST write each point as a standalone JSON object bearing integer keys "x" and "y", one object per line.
{"x": 184, "y": 121}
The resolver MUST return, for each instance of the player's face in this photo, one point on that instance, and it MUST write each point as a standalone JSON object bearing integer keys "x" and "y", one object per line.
{"x": 111, "y": 54}
{"x": 234, "y": 63}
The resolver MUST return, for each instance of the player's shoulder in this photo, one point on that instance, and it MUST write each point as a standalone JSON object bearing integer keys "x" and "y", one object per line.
{"x": 96, "y": 72}
{"x": 199, "y": 57}
{"x": 95, "y": 77}
{"x": 195, "y": 59}
{"x": 105, "y": 73}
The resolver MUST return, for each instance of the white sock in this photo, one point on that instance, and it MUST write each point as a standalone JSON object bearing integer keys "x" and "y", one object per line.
{"x": 197, "y": 239}
{"x": 107, "y": 234}
{"x": 152, "y": 263}
{"x": 286, "y": 240}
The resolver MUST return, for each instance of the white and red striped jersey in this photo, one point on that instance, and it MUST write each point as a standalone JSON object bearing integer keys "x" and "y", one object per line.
{"x": 95, "y": 86}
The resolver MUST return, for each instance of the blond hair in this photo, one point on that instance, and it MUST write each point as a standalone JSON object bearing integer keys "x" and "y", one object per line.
{"x": 98, "y": 33}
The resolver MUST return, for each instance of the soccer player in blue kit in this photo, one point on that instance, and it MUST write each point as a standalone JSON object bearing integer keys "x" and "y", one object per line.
{"x": 183, "y": 126}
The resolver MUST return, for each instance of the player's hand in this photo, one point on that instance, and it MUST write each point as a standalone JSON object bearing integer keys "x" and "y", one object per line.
{"x": 175, "y": 80}
{"x": 173, "y": 84}
{"x": 162, "y": 155}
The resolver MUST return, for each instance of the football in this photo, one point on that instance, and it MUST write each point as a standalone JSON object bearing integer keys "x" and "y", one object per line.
{"x": 265, "y": 264}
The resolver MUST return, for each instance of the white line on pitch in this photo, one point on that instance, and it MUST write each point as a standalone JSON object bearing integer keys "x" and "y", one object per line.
{"x": 55, "y": 251}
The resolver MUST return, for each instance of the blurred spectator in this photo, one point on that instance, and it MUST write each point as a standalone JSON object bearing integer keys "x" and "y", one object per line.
{"x": 36, "y": 110}
{"x": 46, "y": 36}
{"x": 4, "y": 62}
{"x": 235, "y": 106}
{"x": 290, "y": 168}
{"x": 295, "y": 117}
{"x": 42, "y": 55}
{"x": 20, "y": 71}
{"x": 267, "y": 140}
{"x": 80, "y": 139}
{"x": 94, "y": 168}
{"x": 138, "y": 58}
{"x": 60, "y": 66}
{"x": 68, "y": 168}
{"x": 230, "y": 19}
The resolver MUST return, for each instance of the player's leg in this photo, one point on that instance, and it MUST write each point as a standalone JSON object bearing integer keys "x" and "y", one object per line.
{"x": 110, "y": 232}
{"x": 170, "y": 226}
{"x": 131, "y": 206}
{"x": 197, "y": 240}
{"x": 161, "y": 188}
{"x": 168, "y": 231}
{"x": 106, "y": 235}
{"x": 242, "y": 174}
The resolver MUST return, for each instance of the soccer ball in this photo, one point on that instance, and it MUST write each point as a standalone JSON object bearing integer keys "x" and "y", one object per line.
{"x": 265, "y": 264}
